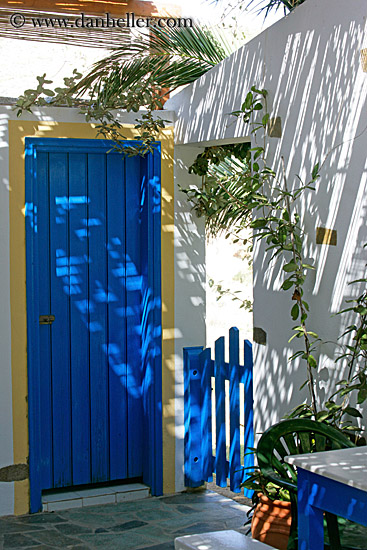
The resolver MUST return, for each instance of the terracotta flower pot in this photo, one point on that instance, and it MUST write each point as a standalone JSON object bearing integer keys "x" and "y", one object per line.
{"x": 271, "y": 522}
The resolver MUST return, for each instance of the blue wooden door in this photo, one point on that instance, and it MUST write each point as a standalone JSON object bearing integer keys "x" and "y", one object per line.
{"x": 92, "y": 260}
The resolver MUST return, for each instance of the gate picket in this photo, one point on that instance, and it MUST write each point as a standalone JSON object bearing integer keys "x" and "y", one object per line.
{"x": 234, "y": 407}
{"x": 220, "y": 413}
{"x": 199, "y": 369}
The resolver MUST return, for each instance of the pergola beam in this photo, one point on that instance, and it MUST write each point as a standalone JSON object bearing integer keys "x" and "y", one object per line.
{"x": 95, "y": 7}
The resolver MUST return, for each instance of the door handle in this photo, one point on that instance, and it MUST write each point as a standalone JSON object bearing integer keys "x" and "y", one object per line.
{"x": 46, "y": 319}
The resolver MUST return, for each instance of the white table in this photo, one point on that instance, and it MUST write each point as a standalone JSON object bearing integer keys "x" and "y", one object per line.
{"x": 331, "y": 481}
{"x": 219, "y": 540}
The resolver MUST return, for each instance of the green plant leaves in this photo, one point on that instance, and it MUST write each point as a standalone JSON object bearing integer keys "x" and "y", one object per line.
{"x": 352, "y": 412}
{"x": 295, "y": 312}
{"x": 248, "y": 102}
{"x": 291, "y": 266}
{"x": 312, "y": 361}
{"x": 287, "y": 284}
{"x": 315, "y": 171}
{"x": 259, "y": 223}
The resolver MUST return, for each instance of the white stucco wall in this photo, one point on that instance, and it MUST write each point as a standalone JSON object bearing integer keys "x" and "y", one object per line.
{"x": 310, "y": 64}
{"x": 189, "y": 287}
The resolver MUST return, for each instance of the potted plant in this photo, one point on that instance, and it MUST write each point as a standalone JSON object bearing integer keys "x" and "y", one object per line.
{"x": 271, "y": 515}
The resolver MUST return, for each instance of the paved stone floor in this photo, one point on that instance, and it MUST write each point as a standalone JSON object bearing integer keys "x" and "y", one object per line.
{"x": 152, "y": 523}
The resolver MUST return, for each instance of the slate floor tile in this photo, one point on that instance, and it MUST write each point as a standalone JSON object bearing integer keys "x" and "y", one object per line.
{"x": 16, "y": 527}
{"x": 183, "y": 521}
{"x": 44, "y": 517}
{"x": 155, "y": 533}
{"x": 202, "y": 528}
{"x": 128, "y": 525}
{"x": 184, "y": 509}
{"x": 85, "y": 517}
{"x": 235, "y": 523}
{"x": 124, "y": 541}
{"x": 52, "y": 537}
{"x": 72, "y": 529}
{"x": 159, "y": 515}
{"x": 138, "y": 507}
{"x": 18, "y": 540}
{"x": 164, "y": 546}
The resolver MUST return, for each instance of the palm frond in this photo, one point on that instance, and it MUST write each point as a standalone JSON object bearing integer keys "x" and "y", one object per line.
{"x": 227, "y": 182}
{"x": 171, "y": 57}
{"x": 268, "y": 5}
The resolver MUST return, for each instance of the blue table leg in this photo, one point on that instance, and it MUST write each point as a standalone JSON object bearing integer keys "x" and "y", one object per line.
{"x": 310, "y": 519}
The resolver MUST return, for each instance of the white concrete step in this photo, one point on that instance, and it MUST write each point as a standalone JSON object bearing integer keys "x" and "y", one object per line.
{"x": 65, "y": 500}
{"x": 219, "y": 540}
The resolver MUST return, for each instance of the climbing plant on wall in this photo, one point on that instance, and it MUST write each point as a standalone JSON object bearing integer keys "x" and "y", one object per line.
{"x": 265, "y": 201}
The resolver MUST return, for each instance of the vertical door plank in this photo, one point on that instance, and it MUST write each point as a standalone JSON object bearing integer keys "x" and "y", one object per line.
{"x": 98, "y": 317}
{"x": 156, "y": 450}
{"x": 60, "y": 290}
{"x": 79, "y": 349}
{"x": 116, "y": 251}
{"x": 146, "y": 315}
{"x": 33, "y": 328}
{"x": 133, "y": 316}
{"x": 45, "y": 419}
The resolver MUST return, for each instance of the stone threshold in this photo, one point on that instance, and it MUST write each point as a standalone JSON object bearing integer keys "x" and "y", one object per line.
{"x": 65, "y": 500}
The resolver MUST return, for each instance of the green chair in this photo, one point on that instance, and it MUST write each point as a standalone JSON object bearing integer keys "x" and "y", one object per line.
{"x": 291, "y": 437}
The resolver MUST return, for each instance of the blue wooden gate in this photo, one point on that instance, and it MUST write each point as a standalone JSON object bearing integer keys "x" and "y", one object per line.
{"x": 199, "y": 399}
{"x": 93, "y": 313}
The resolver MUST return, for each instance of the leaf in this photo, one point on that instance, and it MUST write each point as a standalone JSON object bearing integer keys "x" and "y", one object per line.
{"x": 258, "y": 153}
{"x": 362, "y": 396}
{"x": 248, "y": 101}
{"x": 295, "y": 312}
{"x": 304, "y": 317}
{"x": 295, "y": 355}
{"x": 352, "y": 412}
{"x": 332, "y": 406}
{"x": 315, "y": 171}
{"x": 303, "y": 385}
{"x": 312, "y": 361}
{"x": 322, "y": 415}
{"x": 291, "y": 266}
{"x": 260, "y": 222}
{"x": 257, "y": 90}
{"x": 287, "y": 284}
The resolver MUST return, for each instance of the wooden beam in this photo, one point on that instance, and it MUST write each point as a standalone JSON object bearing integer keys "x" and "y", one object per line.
{"x": 114, "y": 7}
